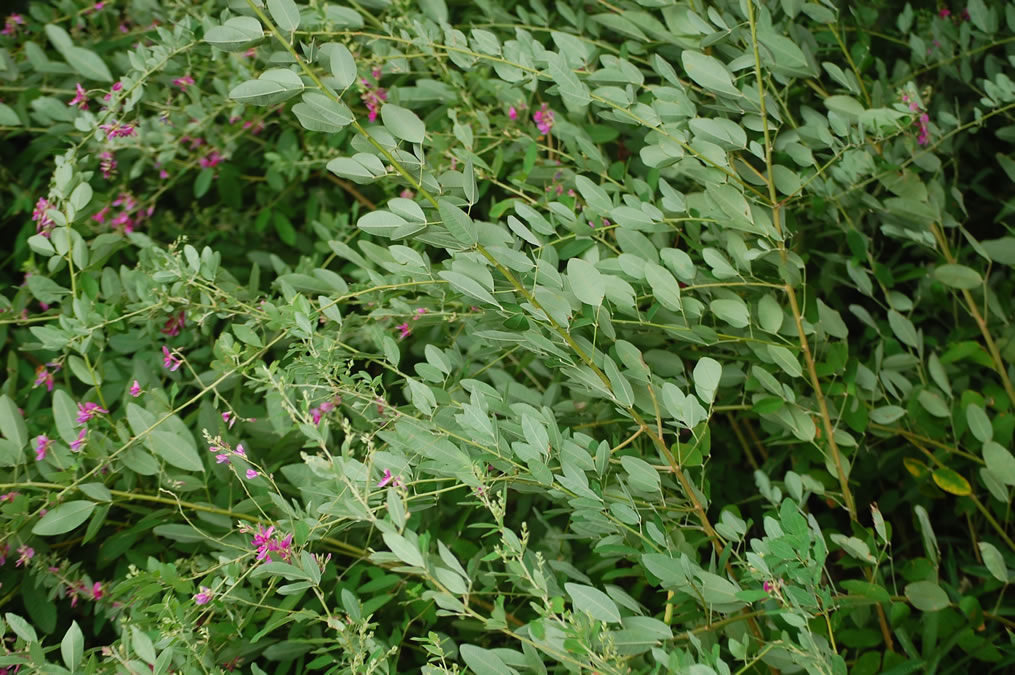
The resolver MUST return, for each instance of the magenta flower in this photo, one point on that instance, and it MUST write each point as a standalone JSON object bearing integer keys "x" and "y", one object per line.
{"x": 26, "y": 553}
{"x": 320, "y": 411}
{"x": 944, "y": 12}
{"x": 267, "y": 544}
{"x": 174, "y": 323}
{"x": 43, "y": 376}
{"x": 43, "y": 223}
{"x": 42, "y": 444}
{"x": 135, "y": 389}
{"x": 389, "y": 478}
{"x": 117, "y": 130}
{"x": 88, "y": 410}
{"x": 75, "y": 446}
{"x": 12, "y": 23}
{"x": 107, "y": 164}
{"x": 240, "y": 451}
{"x": 97, "y": 592}
{"x": 169, "y": 361}
{"x": 420, "y": 311}
{"x": 543, "y": 119}
{"x": 101, "y": 216}
{"x": 404, "y": 331}
{"x": 251, "y": 474}
{"x": 221, "y": 458}
{"x": 8, "y": 497}
{"x": 80, "y": 97}
{"x": 204, "y": 597}
{"x": 512, "y": 113}
{"x": 213, "y": 159}
{"x": 184, "y": 82}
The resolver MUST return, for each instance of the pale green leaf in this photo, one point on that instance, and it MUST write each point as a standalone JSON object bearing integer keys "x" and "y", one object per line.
{"x": 64, "y": 518}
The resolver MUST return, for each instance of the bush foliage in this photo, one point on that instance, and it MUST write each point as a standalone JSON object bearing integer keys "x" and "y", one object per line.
{"x": 384, "y": 336}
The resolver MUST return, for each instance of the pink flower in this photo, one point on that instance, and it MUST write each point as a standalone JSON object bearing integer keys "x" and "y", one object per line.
{"x": 267, "y": 544}
{"x": 174, "y": 323}
{"x": 100, "y": 217}
{"x": 42, "y": 444}
{"x": 97, "y": 591}
{"x": 169, "y": 361}
{"x": 117, "y": 130}
{"x": 80, "y": 97}
{"x": 204, "y": 597}
{"x": 26, "y": 553}
{"x": 12, "y": 23}
{"x": 88, "y": 410}
{"x": 240, "y": 451}
{"x": 8, "y": 497}
{"x": 512, "y": 113}
{"x": 107, "y": 164}
{"x": 389, "y": 478}
{"x": 213, "y": 159}
{"x": 135, "y": 389}
{"x": 543, "y": 119}
{"x": 184, "y": 82}
{"x": 229, "y": 418}
{"x": 43, "y": 223}
{"x": 251, "y": 474}
{"x": 221, "y": 458}
{"x": 944, "y": 12}
{"x": 407, "y": 194}
{"x": 75, "y": 446}
{"x": 404, "y": 331}
{"x": 420, "y": 311}
{"x": 43, "y": 376}
{"x": 320, "y": 411}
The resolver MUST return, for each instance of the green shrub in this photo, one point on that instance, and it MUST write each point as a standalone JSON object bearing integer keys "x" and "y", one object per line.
{"x": 629, "y": 336}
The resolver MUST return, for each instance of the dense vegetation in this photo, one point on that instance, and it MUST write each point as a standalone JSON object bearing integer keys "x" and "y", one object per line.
{"x": 507, "y": 337}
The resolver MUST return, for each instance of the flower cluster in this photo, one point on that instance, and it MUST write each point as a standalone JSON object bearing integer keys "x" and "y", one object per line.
{"x": 268, "y": 544}
{"x": 107, "y": 164}
{"x": 80, "y": 97}
{"x": 12, "y": 23}
{"x": 543, "y": 119}
{"x": 117, "y": 130}
{"x": 88, "y": 410}
{"x": 922, "y": 121}
{"x": 43, "y": 223}
{"x": 318, "y": 412}
{"x": 169, "y": 361}
{"x": 42, "y": 445}
{"x": 373, "y": 96}
{"x": 43, "y": 376}
{"x": 130, "y": 215}
{"x": 204, "y": 597}
{"x": 174, "y": 323}
{"x": 389, "y": 479}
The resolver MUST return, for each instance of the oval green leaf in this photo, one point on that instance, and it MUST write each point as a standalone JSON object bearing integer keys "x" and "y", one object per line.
{"x": 64, "y": 518}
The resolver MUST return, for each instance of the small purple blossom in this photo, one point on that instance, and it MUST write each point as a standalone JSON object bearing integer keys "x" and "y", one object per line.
{"x": 543, "y": 119}
{"x": 12, "y": 23}
{"x": 75, "y": 446}
{"x": 43, "y": 223}
{"x": 169, "y": 361}
{"x": 184, "y": 82}
{"x": 117, "y": 130}
{"x": 389, "y": 479}
{"x": 135, "y": 389}
{"x": 404, "y": 331}
{"x": 43, "y": 376}
{"x": 251, "y": 474}
{"x": 204, "y": 597}
{"x": 88, "y": 410}
{"x": 267, "y": 544}
{"x": 80, "y": 97}
{"x": 512, "y": 113}
{"x": 221, "y": 458}
{"x": 26, "y": 553}
{"x": 42, "y": 444}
